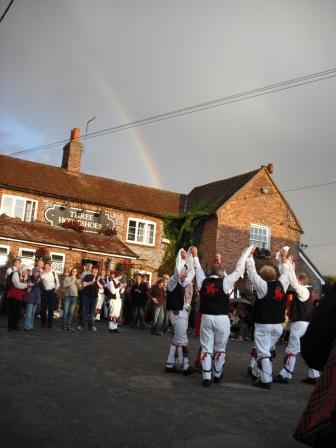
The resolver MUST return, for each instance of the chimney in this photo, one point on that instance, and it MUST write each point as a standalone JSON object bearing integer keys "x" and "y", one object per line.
{"x": 270, "y": 168}
{"x": 72, "y": 153}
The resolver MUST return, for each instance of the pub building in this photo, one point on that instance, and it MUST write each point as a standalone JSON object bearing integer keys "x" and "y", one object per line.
{"x": 77, "y": 217}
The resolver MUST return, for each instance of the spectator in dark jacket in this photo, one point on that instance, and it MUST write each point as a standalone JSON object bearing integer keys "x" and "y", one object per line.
{"x": 90, "y": 290}
{"x": 139, "y": 299}
{"x": 156, "y": 295}
{"x": 33, "y": 298}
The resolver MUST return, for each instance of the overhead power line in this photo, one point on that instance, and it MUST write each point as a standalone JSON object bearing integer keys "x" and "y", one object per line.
{"x": 266, "y": 90}
{"x": 6, "y": 10}
{"x": 306, "y": 187}
{"x": 308, "y": 246}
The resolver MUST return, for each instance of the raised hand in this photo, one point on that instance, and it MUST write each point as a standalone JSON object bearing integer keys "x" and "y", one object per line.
{"x": 194, "y": 251}
{"x": 183, "y": 254}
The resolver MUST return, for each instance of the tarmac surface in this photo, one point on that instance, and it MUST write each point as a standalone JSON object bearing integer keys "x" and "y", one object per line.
{"x": 84, "y": 389}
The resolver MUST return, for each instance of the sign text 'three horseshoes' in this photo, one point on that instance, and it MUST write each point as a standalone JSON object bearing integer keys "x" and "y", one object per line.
{"x": 95, "y": 222}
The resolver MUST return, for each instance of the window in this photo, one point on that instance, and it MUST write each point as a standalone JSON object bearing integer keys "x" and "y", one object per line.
{"x": 95, "y": 263}
{"x": 27, "y": 256}
{"x": 141, "y": 232}
{"x": 260, "y": 236}
{"x": 4, "y": 251}
{"x": 18, "y": 207}
{"x": 57, "y": 262}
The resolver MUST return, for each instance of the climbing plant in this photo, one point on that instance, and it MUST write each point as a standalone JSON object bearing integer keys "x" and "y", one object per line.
{"x": 182, "y": 230}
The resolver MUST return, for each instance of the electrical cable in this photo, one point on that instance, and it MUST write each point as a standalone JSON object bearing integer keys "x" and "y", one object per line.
{"x": 280, "y": 86}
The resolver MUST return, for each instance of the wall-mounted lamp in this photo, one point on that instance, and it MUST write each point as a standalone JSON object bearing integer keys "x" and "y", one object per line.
{"x": 264, "y": 190}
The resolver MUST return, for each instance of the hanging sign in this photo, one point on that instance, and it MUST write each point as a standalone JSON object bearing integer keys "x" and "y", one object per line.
{"x": 91, "y": 221}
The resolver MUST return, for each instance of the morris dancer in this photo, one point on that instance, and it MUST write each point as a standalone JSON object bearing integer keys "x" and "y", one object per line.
{"x": 178, "y": 299}
{"x": 115, "y": 288}
{"x": 300, "y": 315}
{"x": 101, "y": 294}
{"x": 269, "y": 313}
{"x": 214, "y": 307}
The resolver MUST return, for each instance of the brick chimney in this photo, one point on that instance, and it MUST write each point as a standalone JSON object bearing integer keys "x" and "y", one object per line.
{"x": 270, "y": 168}
{"x": 72, "y": 153}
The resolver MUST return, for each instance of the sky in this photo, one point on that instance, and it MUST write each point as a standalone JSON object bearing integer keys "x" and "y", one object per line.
{"x": 65, "y": 62}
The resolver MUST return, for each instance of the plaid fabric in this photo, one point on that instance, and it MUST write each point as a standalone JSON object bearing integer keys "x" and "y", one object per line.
{"x": 318, "y": 422}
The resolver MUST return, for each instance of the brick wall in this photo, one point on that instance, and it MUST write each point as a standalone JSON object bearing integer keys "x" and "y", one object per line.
{"x": 150, "y": 256}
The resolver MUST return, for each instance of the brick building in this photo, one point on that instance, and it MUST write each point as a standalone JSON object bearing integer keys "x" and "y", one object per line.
{"x": 124, "y": 222}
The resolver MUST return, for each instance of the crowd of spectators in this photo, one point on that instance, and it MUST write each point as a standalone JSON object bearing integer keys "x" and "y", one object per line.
{"x": 83, "y": 298}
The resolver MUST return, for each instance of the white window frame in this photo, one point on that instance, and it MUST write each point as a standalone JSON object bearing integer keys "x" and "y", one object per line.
{"x": 143, "y": 221}
{"x": 4, "y": 255}
{"x": 4, "y": 196}
{"x": 27, "y": 260}
{"x": 59, "y": 254}
{"x": 268, "y": 235}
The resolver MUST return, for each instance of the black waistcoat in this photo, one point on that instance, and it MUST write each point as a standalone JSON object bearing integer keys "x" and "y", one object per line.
{"x": 271, "y": 308}
{"x": 213, "y": 298}
{"x": 175, "y": 298}
{"x": 302, "y": 311}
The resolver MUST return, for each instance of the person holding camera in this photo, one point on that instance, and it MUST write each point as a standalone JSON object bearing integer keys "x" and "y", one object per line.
{"x": 89, "y": 299}
{"x": 49, "y": 285}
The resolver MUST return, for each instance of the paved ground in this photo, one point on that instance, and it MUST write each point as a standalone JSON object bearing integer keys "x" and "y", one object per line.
{"x": 86, "y": 389}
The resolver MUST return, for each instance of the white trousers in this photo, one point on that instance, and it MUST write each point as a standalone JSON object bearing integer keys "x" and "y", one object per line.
{"x": 114, "y": 313}
{"x": 178, "y": 351}
{"x": 180, "y": 323}
{"x": 297, "y": 330}
{"x": 265, "y": 338}
{"x": 100, "y": 301}
{"x": 214, "y": 335}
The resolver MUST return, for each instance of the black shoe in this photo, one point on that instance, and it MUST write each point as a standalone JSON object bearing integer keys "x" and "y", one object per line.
{"x": 280, "y": 379}
{"x": 189, "y": 371}
{"x": 311, "y": 381}
{"x": 116, "y": 330}
{"x": 262, "y": 385}
{"x": 171, "y": 370}
{"x": 206, "y": 383}
{"x": 218, "y": 379}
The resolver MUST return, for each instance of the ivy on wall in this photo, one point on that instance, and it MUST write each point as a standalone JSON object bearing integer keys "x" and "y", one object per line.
{"x": 182, "y": 230}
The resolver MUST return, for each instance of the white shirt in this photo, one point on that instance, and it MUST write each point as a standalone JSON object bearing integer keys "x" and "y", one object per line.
{"x": 115, "y": 290}
{"x": 229, "y": 280}
{"x": 10, "y": 270}
{"x": 17, "y": 282}
{"x": 287, "y": 276}
{"x": 49, "y": 281}
{"x": 179, "y": 265}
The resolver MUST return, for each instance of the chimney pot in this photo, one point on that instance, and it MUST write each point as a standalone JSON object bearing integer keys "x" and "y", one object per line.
{"x": 270, "y": 168}
{"x": 75, "y": 134}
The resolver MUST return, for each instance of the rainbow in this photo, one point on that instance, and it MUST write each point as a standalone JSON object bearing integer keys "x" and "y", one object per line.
{"x": 134, "y": 133}
{"x": 143, "y": 150}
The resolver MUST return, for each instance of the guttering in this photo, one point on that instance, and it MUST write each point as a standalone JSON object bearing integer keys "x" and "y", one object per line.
{"x": 67, "y": 248}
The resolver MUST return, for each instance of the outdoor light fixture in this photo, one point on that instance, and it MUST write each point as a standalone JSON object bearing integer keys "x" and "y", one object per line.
{"x": 264, "y": 190}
